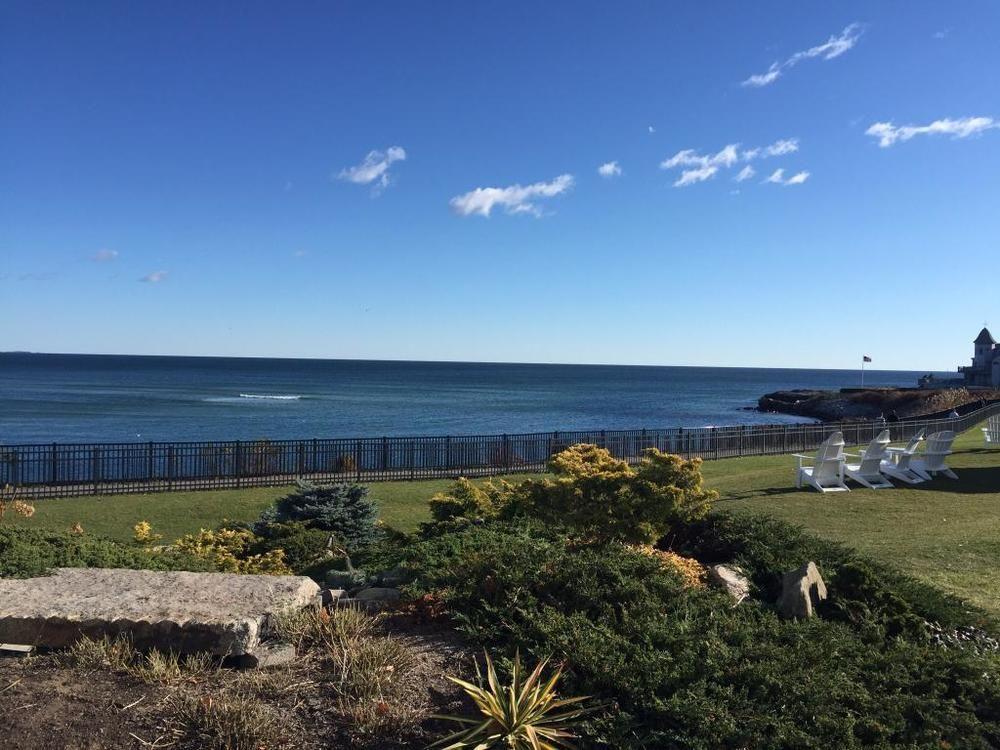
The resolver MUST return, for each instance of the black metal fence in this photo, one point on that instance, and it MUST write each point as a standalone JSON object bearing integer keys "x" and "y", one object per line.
{"x": 55, "y": 470}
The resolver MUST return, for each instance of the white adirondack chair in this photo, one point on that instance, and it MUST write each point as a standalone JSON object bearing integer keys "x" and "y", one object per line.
{"x": 897, "y": 465}
{"x": 827, "y": 471}
{"x": 933, "y": 460}
{"x": 991, "y": 432}
{"x": 868, "y": 471}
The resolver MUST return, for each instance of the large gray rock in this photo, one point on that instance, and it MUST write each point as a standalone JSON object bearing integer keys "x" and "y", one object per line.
{"x": 731, "y": 579}
{"x": 801, "y": 590}
{"x": 221, "y": 613}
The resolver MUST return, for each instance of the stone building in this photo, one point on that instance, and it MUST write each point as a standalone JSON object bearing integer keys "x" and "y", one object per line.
{"x": 985, "y": 367}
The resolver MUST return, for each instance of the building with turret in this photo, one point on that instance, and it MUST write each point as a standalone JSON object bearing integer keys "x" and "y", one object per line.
{"x": 985, "y": 368}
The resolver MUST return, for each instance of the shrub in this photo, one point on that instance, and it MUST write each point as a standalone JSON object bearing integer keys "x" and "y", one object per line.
{"x": 680, "y": 667}
{"x": 304, "y": 548}
{"x": 602, "y": 498}
{"x": 342, "y": 509}
{"x": 766, "y": 547}
{"x": 10, "y": 502}
{"x": 31, "y": 552}
{"x": 228, "y": 550}
{"x": 467, "y": 501}
{"x": 142, "y": 533}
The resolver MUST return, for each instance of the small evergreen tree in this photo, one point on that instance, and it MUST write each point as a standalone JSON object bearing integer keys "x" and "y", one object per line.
{"x": 344, "y": 510}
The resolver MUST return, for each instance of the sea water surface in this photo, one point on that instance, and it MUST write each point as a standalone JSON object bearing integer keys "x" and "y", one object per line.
{"x": 62, "y": 398}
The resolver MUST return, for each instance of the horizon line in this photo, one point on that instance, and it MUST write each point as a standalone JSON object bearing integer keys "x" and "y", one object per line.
{"x": 459, "y": 361}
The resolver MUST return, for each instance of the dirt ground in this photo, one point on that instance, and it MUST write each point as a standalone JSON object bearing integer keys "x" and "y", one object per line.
{"x": 45, "y": 703}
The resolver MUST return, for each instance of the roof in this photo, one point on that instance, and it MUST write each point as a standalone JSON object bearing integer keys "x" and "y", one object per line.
{"x": 984, "y": 337}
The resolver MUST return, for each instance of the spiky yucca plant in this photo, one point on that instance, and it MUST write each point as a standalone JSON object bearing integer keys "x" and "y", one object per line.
{"x": 525, "y": 715}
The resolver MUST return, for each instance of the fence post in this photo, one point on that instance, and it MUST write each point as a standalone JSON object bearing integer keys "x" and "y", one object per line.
{"x": 411, "y": 457}
{"x": 55, "y": 464}
{"x": 301, "y": 460}
{"x": 170, "y": 465}
{"x": 237, "y": 461}
{"x": 95, "y": 466}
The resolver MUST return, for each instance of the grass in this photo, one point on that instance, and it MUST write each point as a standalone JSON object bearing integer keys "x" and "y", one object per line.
{"x": 944, "y": 532}
{"x": 402, "y": 505}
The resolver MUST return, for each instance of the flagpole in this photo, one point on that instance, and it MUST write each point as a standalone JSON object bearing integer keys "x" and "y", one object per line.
{"x": 862, "y": 372}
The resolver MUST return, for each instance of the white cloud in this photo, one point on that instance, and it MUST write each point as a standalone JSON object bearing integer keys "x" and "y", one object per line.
{"x": 652, "y": 129}
{"x": 941, "y": 34}
{"x": 610, "y": 169}
{"x": 104, "y": 255}
{"x": 833, "y": 47}
{"x": 763, "y": 79}
{"x": 155, "y": 277}
{"x": 691, "y": 176}
{"x": 888, "y": 134}
{"x": 374, "y": 168}
{"x": 782, "y": 147}
{"x": 515, "y": 199}
{"x": 777, "y": 177}
{"x": 300, "y": 253}
{"x": 691, "y": 158}
{"x": 701, "y": 167}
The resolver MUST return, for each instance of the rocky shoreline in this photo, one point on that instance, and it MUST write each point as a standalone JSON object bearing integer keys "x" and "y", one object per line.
{"x": 863, "y": 404}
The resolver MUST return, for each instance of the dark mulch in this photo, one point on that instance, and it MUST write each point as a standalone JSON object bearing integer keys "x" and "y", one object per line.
{"x": 46, "y": 704}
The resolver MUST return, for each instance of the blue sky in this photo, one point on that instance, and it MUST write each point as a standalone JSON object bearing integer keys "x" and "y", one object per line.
{"x": 310, "y": 179}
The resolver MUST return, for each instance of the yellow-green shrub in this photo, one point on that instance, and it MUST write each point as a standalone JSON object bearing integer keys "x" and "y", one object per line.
{"x": 468, "y": 501}
{"x": 227, "y": 549}
{"x": 603, "y": 498}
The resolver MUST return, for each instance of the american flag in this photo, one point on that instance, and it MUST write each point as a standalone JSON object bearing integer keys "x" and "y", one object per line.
{"x": 866, "y": 358}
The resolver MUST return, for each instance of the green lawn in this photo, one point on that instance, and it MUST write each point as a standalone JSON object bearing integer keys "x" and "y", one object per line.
{"x": 945, "y": 532}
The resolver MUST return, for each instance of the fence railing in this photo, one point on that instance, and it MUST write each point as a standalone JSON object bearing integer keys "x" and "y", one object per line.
{"x": 58, "y": 469}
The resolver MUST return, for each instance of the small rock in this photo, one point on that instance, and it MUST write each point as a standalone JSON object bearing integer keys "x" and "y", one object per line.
{"x": 801, "y": 590}
{"x": 377, "y": 598}
{"x": 270, "y": 654}
{"x": 731, "y": 579}
{"x": 378, "y": 594}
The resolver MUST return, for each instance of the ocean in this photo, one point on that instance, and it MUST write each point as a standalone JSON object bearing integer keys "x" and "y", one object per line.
{"x": 65, "y": 398}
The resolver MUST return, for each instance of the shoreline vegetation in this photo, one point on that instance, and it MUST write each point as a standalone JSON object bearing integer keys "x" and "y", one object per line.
{"x": 867, "y": 404}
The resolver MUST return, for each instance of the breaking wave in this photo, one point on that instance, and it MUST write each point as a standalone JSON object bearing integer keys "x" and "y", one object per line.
{"x": 270, "y": 396}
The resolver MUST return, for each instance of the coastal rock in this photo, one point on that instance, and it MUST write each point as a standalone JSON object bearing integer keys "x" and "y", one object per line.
{"x": 802, "y": 590}
{"x": 865, "y": 404}
{"x": 221, "y": 613}
{"x": 731, "y": 579}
